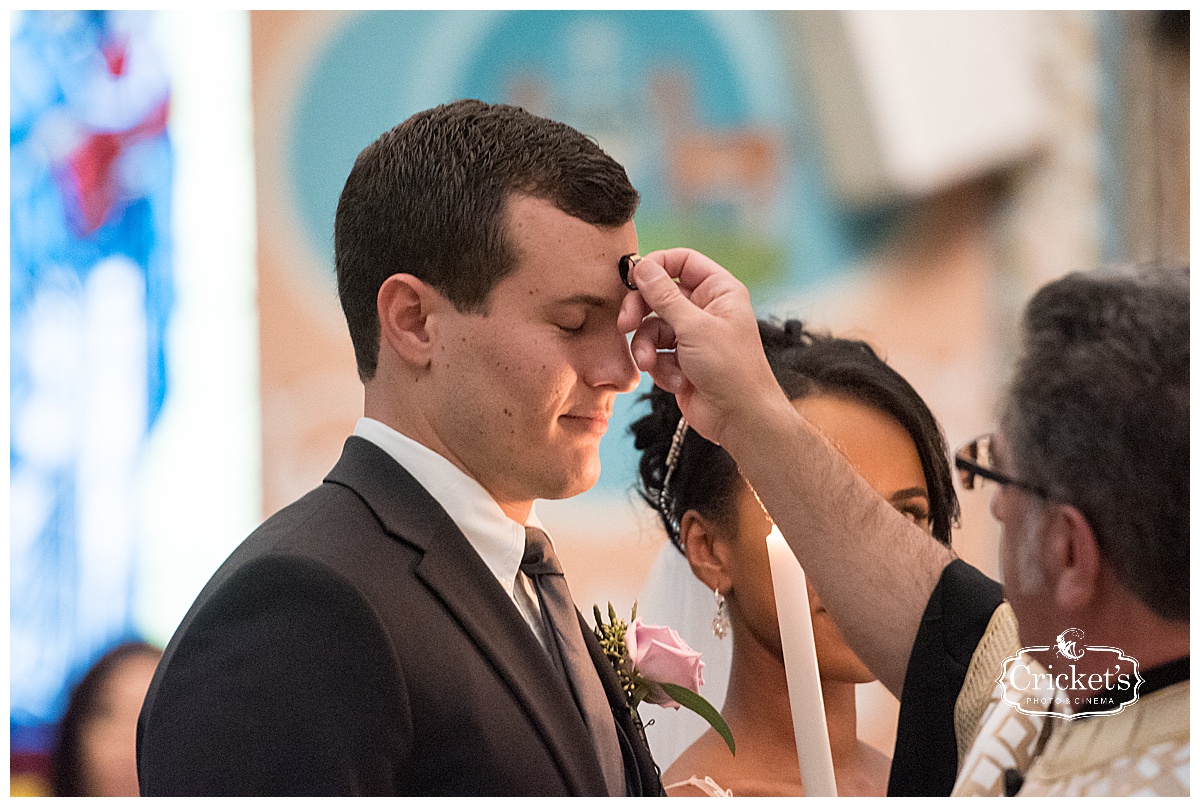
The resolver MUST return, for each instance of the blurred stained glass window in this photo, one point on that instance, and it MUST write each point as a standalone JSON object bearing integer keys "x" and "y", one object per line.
{"x": 91, "y": 294}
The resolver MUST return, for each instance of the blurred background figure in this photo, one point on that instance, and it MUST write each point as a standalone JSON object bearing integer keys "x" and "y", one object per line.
{"x": 96, "y": 752}
{"x": 178, "y": 356}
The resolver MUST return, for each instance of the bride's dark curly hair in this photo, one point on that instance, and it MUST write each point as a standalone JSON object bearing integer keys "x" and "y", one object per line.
{"x": 805, "y": 363}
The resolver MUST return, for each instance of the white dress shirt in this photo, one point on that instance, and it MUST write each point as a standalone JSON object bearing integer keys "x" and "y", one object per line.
{"x": 499, "y": 541}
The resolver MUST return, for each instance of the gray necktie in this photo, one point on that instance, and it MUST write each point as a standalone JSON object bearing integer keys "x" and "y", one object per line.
{"x": 541, "y": 564}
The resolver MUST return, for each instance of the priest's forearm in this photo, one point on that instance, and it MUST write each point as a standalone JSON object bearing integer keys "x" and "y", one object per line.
{"x": 873, "y": 569}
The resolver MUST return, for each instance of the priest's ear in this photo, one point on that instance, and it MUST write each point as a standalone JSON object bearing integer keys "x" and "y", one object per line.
{"x": 405, "y": 303}
{"x": 1073, "y": 553}
{"x": 707, "y": 549}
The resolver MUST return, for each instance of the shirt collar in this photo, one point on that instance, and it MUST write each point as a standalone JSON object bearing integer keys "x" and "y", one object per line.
{"x": 498, "y": 540}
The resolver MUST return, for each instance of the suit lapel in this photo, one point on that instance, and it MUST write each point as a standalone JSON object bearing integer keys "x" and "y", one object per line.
{"x": 457, "y": 576}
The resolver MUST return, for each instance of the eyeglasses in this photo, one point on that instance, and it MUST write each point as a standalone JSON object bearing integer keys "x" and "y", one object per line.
{"x": 976, "y": 458}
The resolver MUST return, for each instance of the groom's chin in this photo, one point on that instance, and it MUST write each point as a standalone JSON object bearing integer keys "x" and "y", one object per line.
{"x": 574, "y": 482}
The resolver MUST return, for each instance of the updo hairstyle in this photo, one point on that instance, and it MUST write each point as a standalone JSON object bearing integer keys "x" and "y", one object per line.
{"x": 805, "y": 363}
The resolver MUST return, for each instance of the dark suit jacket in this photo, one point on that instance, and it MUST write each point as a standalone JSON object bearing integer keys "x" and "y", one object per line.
{"x": 355, "y": 643}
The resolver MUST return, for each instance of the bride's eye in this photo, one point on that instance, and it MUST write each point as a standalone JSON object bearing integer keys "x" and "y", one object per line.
{"x": 915, "y": 513}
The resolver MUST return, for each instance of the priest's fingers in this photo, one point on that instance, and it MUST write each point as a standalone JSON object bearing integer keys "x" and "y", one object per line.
{"x": 654, "y": 334}
{"x": 718, "y": 355}
{"x": 696, "y": 276}
{"x": 633, "y": 310}
{"x": 699, "y": 278}
{"x": 659, "y": 290}
{"x": 666, "y": 373}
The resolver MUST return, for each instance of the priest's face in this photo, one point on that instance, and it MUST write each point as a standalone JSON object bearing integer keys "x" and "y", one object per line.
{"x": 1022, "y": 517}
{"x": 523, "y": 392}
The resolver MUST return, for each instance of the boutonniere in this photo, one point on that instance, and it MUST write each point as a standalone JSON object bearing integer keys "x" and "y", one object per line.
{"x": 656, "y": 666}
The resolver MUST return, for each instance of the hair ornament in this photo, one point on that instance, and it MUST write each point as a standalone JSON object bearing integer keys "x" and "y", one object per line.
{"x": 672, "y": 461}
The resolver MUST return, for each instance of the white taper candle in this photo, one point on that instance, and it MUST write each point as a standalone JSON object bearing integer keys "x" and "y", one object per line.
{"x": 800, "y": 664}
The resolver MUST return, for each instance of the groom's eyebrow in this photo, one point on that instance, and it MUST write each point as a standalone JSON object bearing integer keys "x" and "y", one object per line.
{"x": 589, "y": 300}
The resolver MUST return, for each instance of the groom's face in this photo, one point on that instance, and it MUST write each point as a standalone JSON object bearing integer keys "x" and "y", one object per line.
{"x": 528, "y": 387}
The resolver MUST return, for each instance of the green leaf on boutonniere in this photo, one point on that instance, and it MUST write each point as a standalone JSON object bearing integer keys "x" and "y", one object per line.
{"x": 690, "y": 700}
{"x": 682, "y": 664}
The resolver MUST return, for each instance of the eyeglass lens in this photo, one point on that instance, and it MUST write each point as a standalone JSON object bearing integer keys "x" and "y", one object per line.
{"x": 977, "y": 452}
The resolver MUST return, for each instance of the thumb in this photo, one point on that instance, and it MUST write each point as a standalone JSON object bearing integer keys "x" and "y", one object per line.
{"x": 663, "y": 294}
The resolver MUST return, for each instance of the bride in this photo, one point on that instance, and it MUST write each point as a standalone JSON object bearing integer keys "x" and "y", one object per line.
{"x": 713, "y": 518}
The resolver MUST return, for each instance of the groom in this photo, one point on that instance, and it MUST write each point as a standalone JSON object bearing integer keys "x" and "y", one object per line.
{"x": 404, "y": 629}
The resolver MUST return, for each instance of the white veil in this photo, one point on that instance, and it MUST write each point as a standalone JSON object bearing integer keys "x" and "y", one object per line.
{"x": 672, "y": 596}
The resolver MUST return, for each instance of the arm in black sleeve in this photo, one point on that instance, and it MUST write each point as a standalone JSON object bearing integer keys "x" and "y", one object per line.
{"x": 925, "y": 762}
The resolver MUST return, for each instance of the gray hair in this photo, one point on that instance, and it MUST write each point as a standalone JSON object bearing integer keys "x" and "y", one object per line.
{"x": 1098, "y": 415}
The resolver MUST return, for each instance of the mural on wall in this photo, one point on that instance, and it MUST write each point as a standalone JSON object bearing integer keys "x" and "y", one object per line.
{"x": 91, "y": 294}
{"x": 700, "y": 107}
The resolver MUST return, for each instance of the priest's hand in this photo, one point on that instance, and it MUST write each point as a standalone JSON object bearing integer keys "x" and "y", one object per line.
{"x": 695, "y": 333}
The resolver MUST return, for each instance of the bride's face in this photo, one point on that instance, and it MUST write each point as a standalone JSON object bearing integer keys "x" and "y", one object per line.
{"x": 882, "y": 451}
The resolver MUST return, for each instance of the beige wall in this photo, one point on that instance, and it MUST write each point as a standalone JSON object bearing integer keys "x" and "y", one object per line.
{"x": 311, "y": 396}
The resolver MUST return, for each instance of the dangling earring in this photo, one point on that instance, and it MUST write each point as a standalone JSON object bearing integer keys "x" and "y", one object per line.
{"x": 720, "y": 623}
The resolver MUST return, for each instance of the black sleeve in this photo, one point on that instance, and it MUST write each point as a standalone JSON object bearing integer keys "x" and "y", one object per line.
{"x": 925, "y": 762}
{"x": 283, "y": 683}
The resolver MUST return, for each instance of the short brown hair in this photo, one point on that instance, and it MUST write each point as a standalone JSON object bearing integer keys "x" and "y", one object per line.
{"x": 429, "y": 198}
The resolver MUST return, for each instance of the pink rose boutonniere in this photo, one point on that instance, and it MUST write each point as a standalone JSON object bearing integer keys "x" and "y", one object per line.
{"x": 656, "y": 665}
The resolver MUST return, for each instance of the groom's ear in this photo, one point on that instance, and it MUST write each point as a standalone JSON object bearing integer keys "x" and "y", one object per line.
{"x": 707, "y": 551}
{"x": 407, "y": 306}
